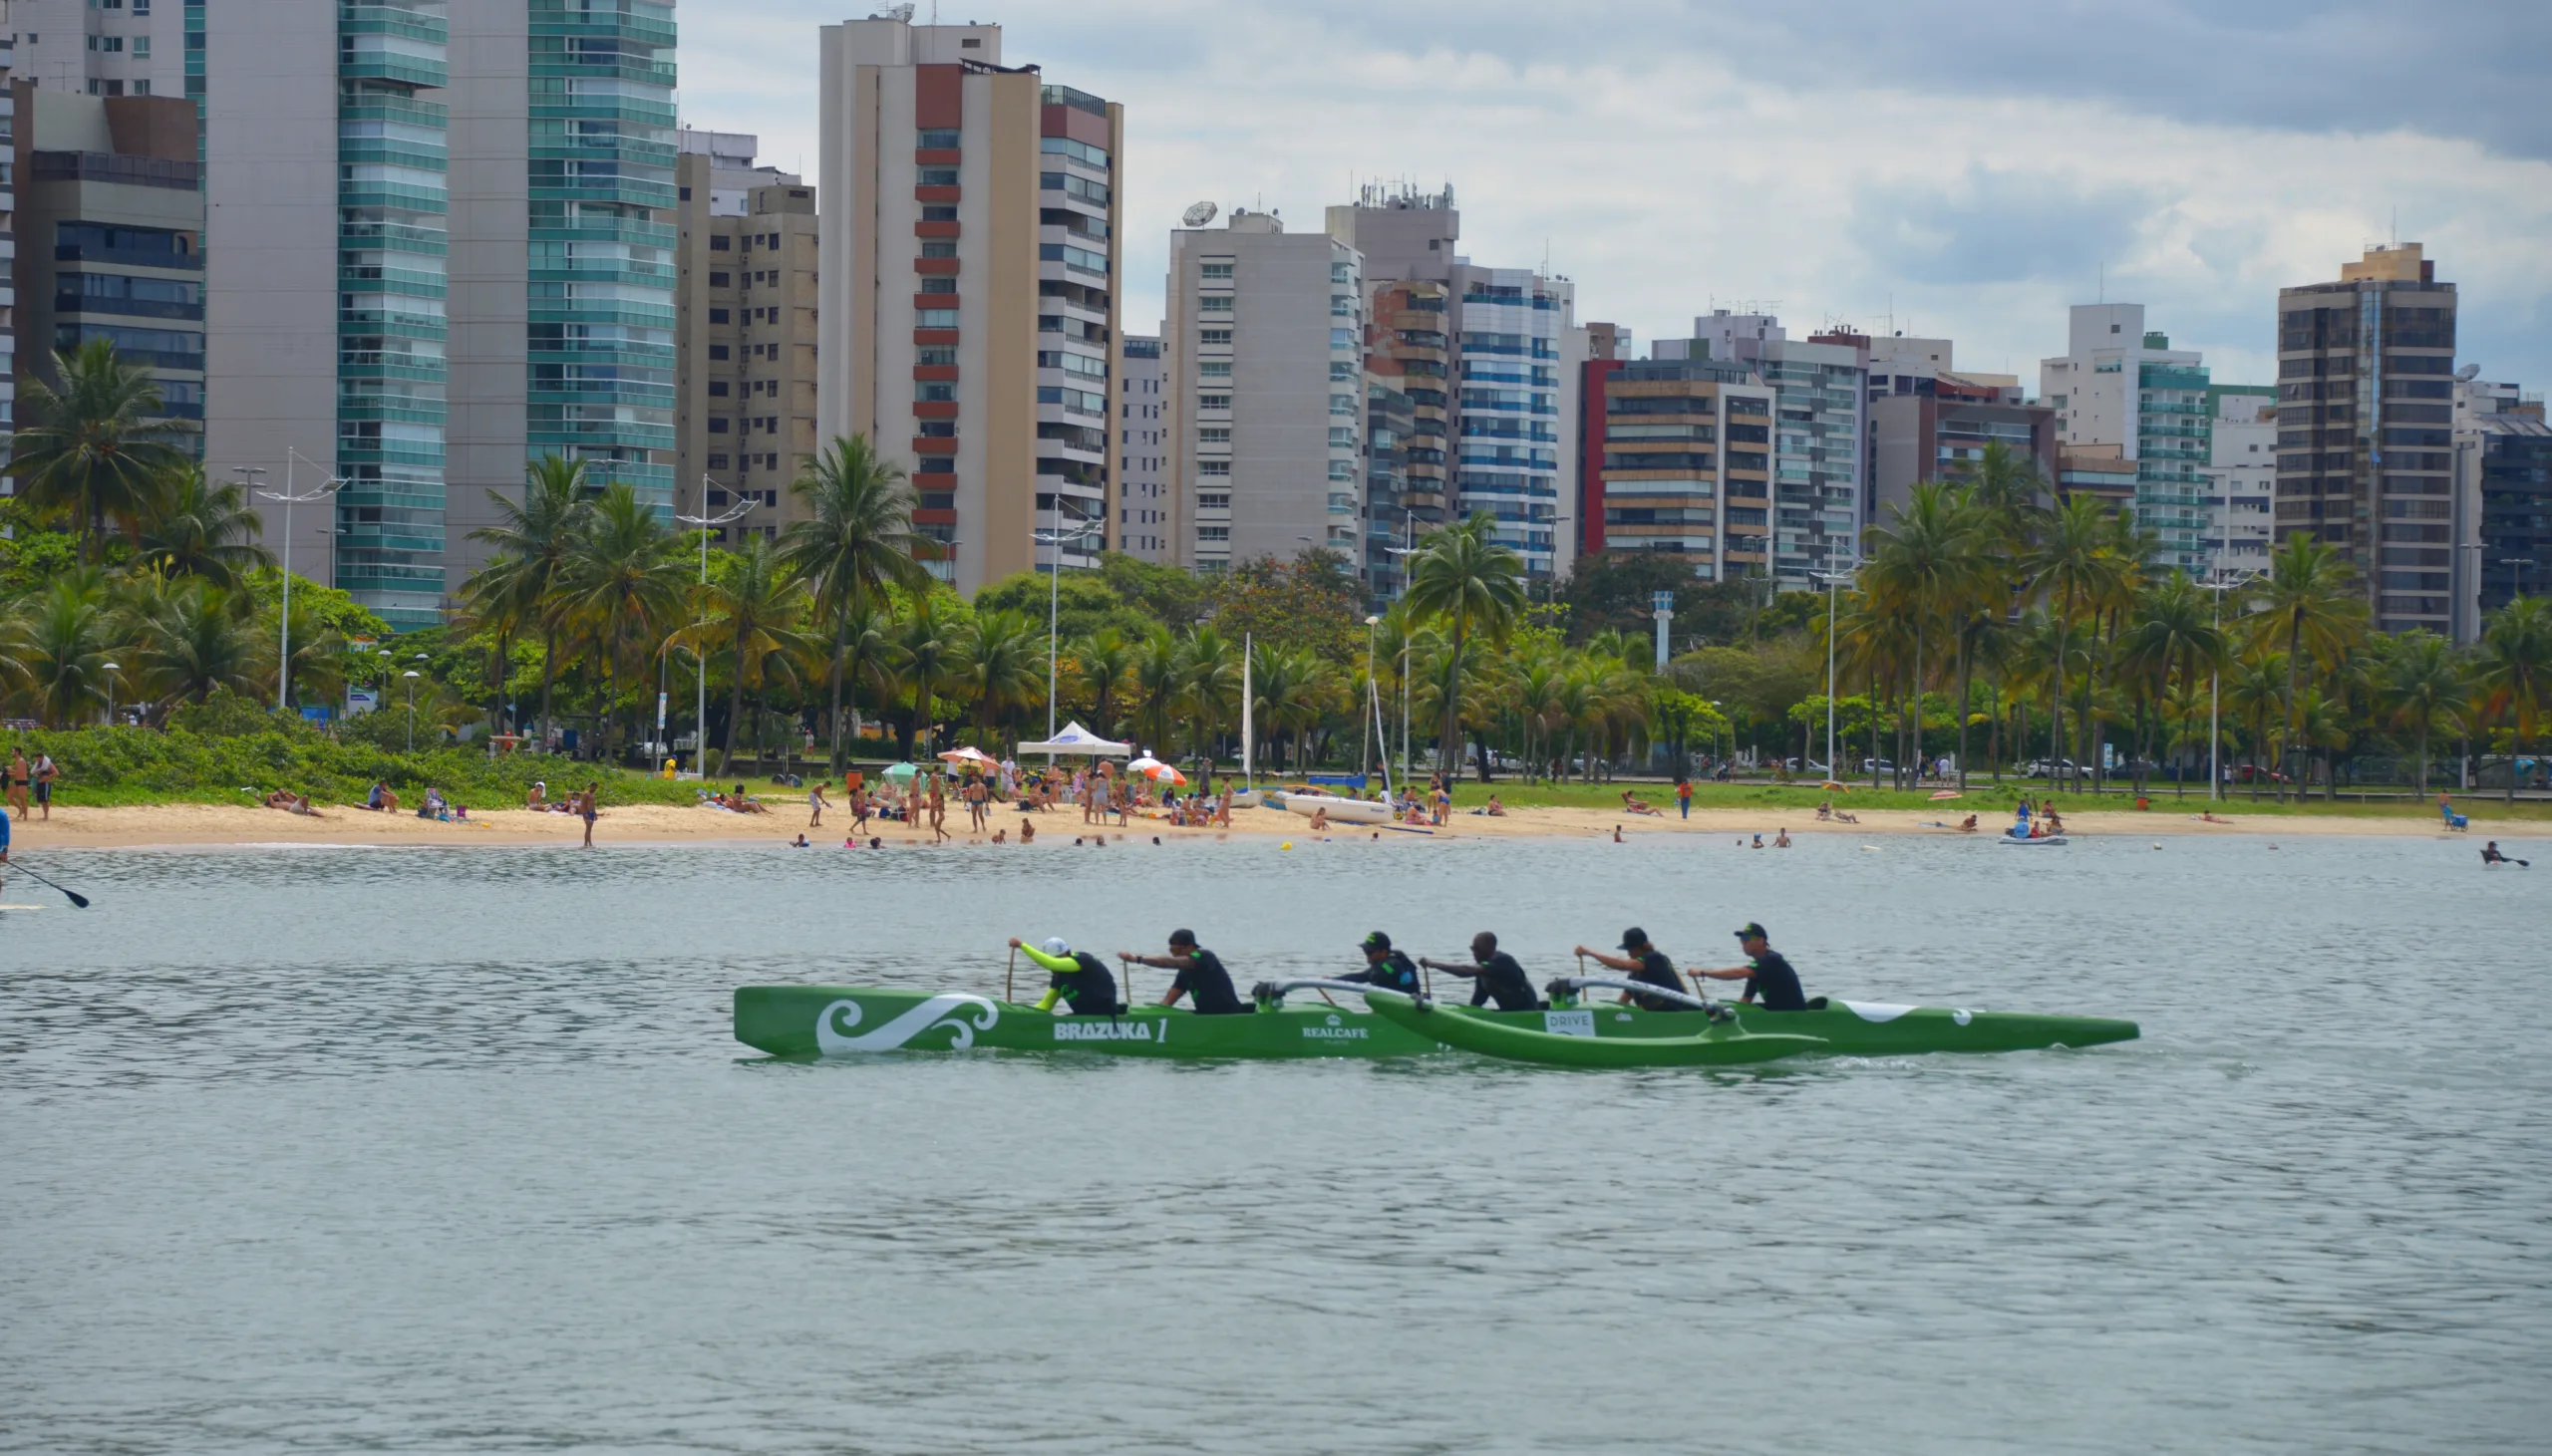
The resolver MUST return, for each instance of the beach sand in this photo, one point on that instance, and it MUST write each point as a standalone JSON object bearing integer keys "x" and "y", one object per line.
{"x": 246, "y": 827}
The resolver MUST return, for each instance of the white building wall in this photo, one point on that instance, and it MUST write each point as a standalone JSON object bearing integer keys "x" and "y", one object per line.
{"x": 2242, "y": 480}
{"x": 80, "y": 46}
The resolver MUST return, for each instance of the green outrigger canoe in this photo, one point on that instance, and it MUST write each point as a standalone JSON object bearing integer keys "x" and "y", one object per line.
{"x": 837, "y": 1020}
{"x": 1707, "y": 1042}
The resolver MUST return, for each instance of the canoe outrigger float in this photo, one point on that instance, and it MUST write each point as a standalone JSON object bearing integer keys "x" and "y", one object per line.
{"x": 834, "y": 1021}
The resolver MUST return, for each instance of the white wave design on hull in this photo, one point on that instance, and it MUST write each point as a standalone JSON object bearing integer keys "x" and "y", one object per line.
{"x": 833, "y": 1039}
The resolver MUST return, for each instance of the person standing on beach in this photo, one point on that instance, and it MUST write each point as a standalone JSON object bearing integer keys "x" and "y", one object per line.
{"x": 816, "y": 804}
{"x": 978, "y": 804}
{"x": 18, "y": 771}
{"x": 859, "y": 806}
{"x": 1684, "y": 797}
{"x": 585, "y": 808}
{"x": 46, "y": 774}
{"x": 938, "y": 810}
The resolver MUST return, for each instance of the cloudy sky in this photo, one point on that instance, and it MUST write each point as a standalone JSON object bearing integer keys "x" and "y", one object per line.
{"x": 1969, "y": 171}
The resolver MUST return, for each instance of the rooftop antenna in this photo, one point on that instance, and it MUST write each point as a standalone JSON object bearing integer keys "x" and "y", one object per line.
{"x": 2104, "y": 280}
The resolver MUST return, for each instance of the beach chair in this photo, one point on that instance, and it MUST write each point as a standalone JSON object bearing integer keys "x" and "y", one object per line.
{"x": 2454, "y": 821}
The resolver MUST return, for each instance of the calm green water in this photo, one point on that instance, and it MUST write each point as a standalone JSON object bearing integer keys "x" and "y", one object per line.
{"x": 423, "y": 1150}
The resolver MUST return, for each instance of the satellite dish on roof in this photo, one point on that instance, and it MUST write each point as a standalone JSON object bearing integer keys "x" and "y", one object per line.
{"x": 1199, "y": 215}
{"x": 2469, "y": 370}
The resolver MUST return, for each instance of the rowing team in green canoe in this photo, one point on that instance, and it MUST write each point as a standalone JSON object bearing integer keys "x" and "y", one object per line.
{"x": 1081, "y": 981}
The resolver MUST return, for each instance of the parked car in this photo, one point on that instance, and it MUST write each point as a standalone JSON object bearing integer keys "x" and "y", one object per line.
{"x": 1881, "y": 766}
{"x": 2040, "y": 768}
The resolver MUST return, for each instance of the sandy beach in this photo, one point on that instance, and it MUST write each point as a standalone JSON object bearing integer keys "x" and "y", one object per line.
{"x": 243, "y": 826}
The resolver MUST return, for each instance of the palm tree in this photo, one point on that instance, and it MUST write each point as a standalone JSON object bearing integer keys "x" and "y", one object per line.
{"x": 857, "y": 540}
{"x": 2071, "y": 569}
{"x": 624, "y": 584}
{"x": 2172, "y": 636}
{"x": 1476, "y": 587}
{"x": 1156, "y": 671}
{"x": 197, "y": 638}
{"x": 1924, "y": 566}
{"x": 1100, "y": 662}
{"x": 523, "y": 585}
{"x": 933, "y": 651}
{"x": 1208, "y": 683}
{"x": 197, "y": 528}
{"x": 2256, "y": 694}
{"x": 1000, "y": 671}
{"x": 58, "y": 645}
{"x": 752, "y": 608}
{"x": 2306, "y": 603}
{"x": 2423, "y": 682}
{"x": 91, "y": 449}
{"x": 2516, "y": 671}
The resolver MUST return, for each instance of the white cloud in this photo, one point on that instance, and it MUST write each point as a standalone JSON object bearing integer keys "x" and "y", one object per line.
{"x": 1668, "y": 155}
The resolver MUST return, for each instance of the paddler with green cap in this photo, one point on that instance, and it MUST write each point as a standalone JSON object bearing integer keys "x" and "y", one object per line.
{"x": 1077, "y": 978}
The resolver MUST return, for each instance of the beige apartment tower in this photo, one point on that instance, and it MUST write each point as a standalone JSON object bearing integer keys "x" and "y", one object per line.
{"x": 744, "y": 344}
{"x": 967, "y": 304}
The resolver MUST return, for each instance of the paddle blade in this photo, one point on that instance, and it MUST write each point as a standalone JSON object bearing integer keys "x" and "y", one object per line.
{"x": 77, "y": 900}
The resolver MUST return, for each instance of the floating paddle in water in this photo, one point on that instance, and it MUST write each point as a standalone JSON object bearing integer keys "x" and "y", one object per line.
{"x": 74, "y": 896}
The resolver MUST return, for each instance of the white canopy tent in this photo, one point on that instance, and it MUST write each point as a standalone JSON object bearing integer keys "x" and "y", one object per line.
{"x": 1074, "y": 739}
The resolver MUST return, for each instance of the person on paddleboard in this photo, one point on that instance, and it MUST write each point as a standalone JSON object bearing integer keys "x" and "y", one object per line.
{"x": 1077, "y": 979}
{"x": 1494, "y": 976}
{"x": 1201, "y": 977}
{"x": 1384, "y": 967}
{"x": 1645, "y": 963}
{"x": 1765, "y": 974}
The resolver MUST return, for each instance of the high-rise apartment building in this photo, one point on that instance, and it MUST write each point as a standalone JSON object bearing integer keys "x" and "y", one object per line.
{"x": 2503, "y": 461}
{"x": 1941, "y": 433}
{"x": 1407, "y": 356}
{"x": 1264, "y": 357}
{"x": 8, "y": 229}
{"x": 2119, "y": 384}
{"x": 969, "y": 291}
{"x": 111, "y": 215}
{"x": 2241, "y": 477}
{"x": 744, "y": 326}
{"x": 1391, "y": 437}
{"x": 1512, "y": 352}
{"x": 105, "y": 47}
{"x": 473, "y": 271}
{"x": 2366, "y": 427}
{"x": 1686, "y": 465}
{"x": 1819, "y": 447}
{"x": 1142, "y": 446}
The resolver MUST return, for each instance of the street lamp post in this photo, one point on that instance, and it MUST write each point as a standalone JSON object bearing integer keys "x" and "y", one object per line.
{"x": 698, "y": 659}
{"x": 2218, "y": 582}
{"x": 1364, "y": 755}
{"x": 111, "y": 670}
{"x": 411, "y": 675}
{"x": 2520, "y": 563}
{"x": 1055, "y": 602}
{"x": 330, "y": 486}
{"x": 1833, "y": 580}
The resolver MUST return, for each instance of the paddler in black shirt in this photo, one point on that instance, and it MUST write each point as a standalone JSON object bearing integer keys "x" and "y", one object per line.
{"x": 1493, "y": 975}
{"x": 1384, "y": 967}
{"x": 1077, "y": 979}
{"x": 1766, "y": 974}
{"x": 1201, "y": 976}
{"x": 1645, "y": 963}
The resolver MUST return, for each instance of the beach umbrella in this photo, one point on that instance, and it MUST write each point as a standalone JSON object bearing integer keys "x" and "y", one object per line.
{"x": 1144, "y": 764}
{"x": 974, "y": 759}
{"x": 901, "y": 772}
{"x": 1159, "y": 773}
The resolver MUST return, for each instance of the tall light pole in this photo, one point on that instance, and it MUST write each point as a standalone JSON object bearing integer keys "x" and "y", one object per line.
{"x": 111, "y": 670}
{"x": 2219, "y": 581}
{"x": 1054, "y": 601}
{"x": 698, "y": 659}
{"x": 327, "y": 488}
{"x": 411, "y": 675}
{"x": 2520, "y": 563}
{"x": 1833, "y": 580}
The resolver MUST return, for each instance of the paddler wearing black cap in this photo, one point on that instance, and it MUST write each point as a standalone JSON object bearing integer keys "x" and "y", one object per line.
{"x": 1644, "y": 962}
{"x": 1385, "y": 967}
{"x": 1200, "y": 976}
{"x": 1765, "y": 974}
{"x": 1077, "y": 979}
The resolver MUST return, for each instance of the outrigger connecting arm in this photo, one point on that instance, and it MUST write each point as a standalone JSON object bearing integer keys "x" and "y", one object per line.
{"x": 1270, "y": 995}
{"x": 1570, "y": 985}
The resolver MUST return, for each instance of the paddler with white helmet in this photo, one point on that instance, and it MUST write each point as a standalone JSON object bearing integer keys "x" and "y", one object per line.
{"x": 1077, "y": 979}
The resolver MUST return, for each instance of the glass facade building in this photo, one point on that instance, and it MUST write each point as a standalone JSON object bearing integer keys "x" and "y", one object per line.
{"x": 601, "y": 267}
{"x": 393, "y": 201}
